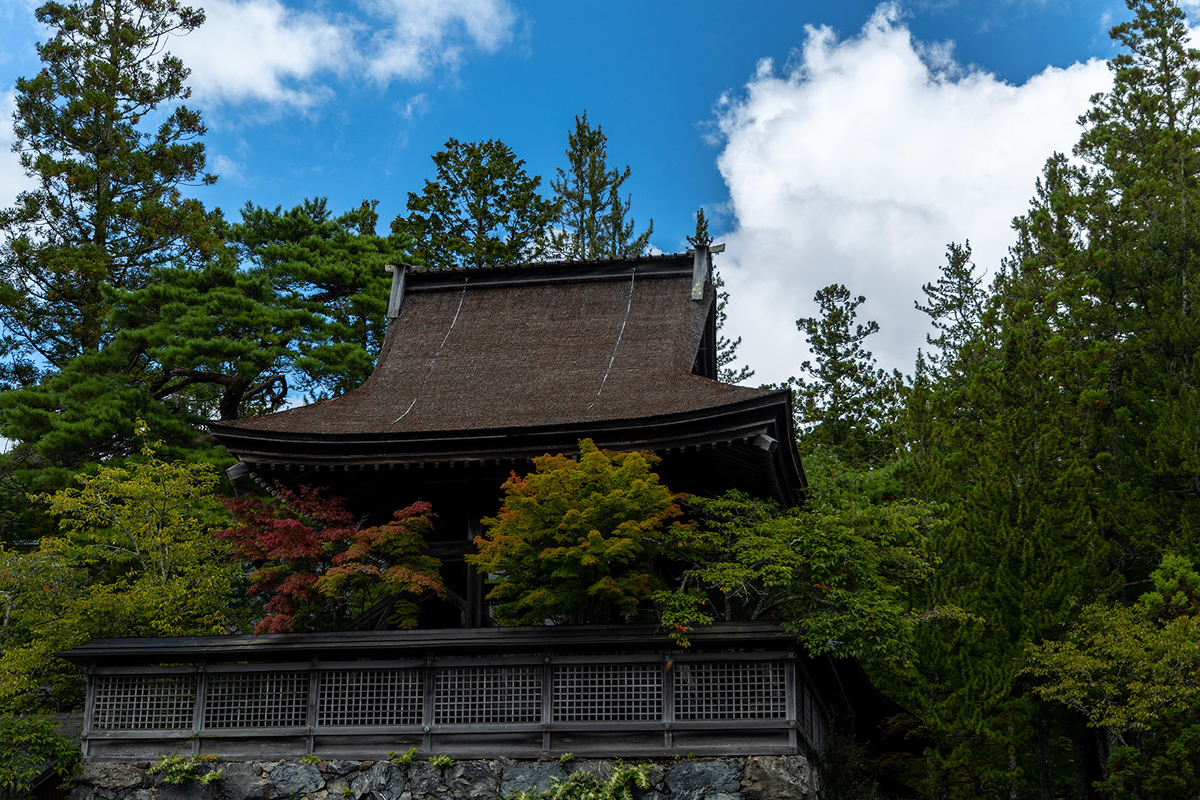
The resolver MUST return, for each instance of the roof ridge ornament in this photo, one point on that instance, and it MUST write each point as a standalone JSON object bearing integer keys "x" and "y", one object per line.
{"x": 399, "y": 273}
{"x": 702, "y": 267}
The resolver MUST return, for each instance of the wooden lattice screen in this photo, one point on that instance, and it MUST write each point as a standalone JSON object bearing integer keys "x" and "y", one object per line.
{"x": 630, "y": 704}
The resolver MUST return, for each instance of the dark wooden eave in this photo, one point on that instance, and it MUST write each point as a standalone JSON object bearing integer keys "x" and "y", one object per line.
{"x": 751, "y": 439}
{"x": 377, "y": 645}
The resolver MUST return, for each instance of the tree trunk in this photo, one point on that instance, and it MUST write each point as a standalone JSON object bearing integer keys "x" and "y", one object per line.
{"x": 1045, "y": 777}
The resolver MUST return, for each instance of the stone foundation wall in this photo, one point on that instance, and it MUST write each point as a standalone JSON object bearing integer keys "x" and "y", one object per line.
{"x": 753, "y": 778}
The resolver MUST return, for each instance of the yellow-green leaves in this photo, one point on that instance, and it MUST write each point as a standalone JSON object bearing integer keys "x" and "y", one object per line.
{"x": 574, "y": 540}
{"x": 132, "y": 557}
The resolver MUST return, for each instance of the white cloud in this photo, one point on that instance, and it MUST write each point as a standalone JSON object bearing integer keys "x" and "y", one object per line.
{"x": 228, "y": 169}
{"x": 13, "y": 179}
{"x": 413, "y": 107}
{"x": 422, "y": 35}
{"x": 262, "y": 50}
{"x": 856, "y": 164}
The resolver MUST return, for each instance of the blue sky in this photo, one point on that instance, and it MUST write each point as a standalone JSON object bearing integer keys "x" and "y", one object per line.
{"x": 829, "y": 141}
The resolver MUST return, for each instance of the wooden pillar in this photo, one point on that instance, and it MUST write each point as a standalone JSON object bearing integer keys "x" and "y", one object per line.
{"x": 198, "y": 712}
{"x": 668, "y": 699}
{"x": 476, "y": 614}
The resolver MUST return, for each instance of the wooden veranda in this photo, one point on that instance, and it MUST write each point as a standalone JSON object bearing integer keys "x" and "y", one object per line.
{"x": 741, "y": 688}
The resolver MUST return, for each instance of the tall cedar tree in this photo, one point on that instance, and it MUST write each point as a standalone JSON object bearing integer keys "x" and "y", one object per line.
{"x": 318, "y": 566}
{"x": 107, "y": 205}
{"x": 1073, "y": 410}
{"x": 106, "y": 213}
{"x": 955, "y": 306}
{"x": 575, "y": 540}
{"x": 483, "y": 209}
{"x": 726, "y": 347}
{"x": 845, "y": 403}
{"x": 592, "y": 220}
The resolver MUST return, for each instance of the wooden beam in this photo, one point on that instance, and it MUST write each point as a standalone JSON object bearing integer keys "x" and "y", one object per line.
{"x": 396, "y": 298}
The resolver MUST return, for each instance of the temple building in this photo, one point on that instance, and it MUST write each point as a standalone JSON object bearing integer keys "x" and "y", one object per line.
{"x": 481, "y": 371}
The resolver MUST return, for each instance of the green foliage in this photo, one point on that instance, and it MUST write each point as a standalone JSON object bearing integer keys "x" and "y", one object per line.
{"x": 844, "y": 404}
{"x": 309, "y": 758}
{"x": 331, "y": 269}
{"x": 566, "y": 758}
{"x": 80, "y": 414}
{"x": 1135, "y": 672}
{"x": 482, "y": 210}
{"x": 28, "y": 744}
{"x": 575, "y": 540}
{"x": 841, "y": 571}
{"x": 175, "y": 770}
{"x": 110, "y": 150}
{"x": 591, "y": 220}
{"x": 298, "y": 295}
{"x": 1057, "y": 423}
{"x": 955, "y": 307}
{"x": 132, "y": 557}
{"x": 405, "y": 759}
{"x": 441, "y": 761}
{"x": 215, "y": 340}
{"x": 622, "y": 784}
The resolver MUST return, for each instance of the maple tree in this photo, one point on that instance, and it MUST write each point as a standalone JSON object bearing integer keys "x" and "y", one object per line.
{"x": 574, "y": 540}
{"x": 318, "y": 566}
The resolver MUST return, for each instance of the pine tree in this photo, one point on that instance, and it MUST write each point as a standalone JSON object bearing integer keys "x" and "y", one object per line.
{"x": 1071, "y": 412}
{"x": 955, "y": 306}
{"x": 108, "y": 205}
{"x": 592, "y": 220}
{"x": 332, "y": 270}
{"x": 483, "y": 209}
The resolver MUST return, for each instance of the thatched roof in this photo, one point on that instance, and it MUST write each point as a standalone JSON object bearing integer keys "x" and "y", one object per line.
{"x": 526, "y": 347}
{"x": 484, "y": 365}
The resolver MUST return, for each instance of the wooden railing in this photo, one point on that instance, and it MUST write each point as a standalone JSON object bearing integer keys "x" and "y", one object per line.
{"x": 633, "y": 704}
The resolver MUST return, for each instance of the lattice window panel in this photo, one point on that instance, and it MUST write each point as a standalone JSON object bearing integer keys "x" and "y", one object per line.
{"x": 731, "y": 690}
{"x": 256, "y": 700}
{"x": 618, "y": 693}
{"x": 371, "y": 697}
{"x": 475, "y": 695}
{"x": 144, "y": 702}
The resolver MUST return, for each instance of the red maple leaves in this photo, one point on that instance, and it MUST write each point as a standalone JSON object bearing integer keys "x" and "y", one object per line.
{"x": 318, "y": 564}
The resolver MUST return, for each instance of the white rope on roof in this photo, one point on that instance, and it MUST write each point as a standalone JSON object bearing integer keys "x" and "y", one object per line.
{"x": 433, "y": 361}
{"x": 612, "y": 359}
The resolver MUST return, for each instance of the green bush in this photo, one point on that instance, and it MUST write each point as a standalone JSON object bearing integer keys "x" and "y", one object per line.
{"x": 28, "y": 745}
{"x": 583, "y": 786}
{"x": 176, "y": 769}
